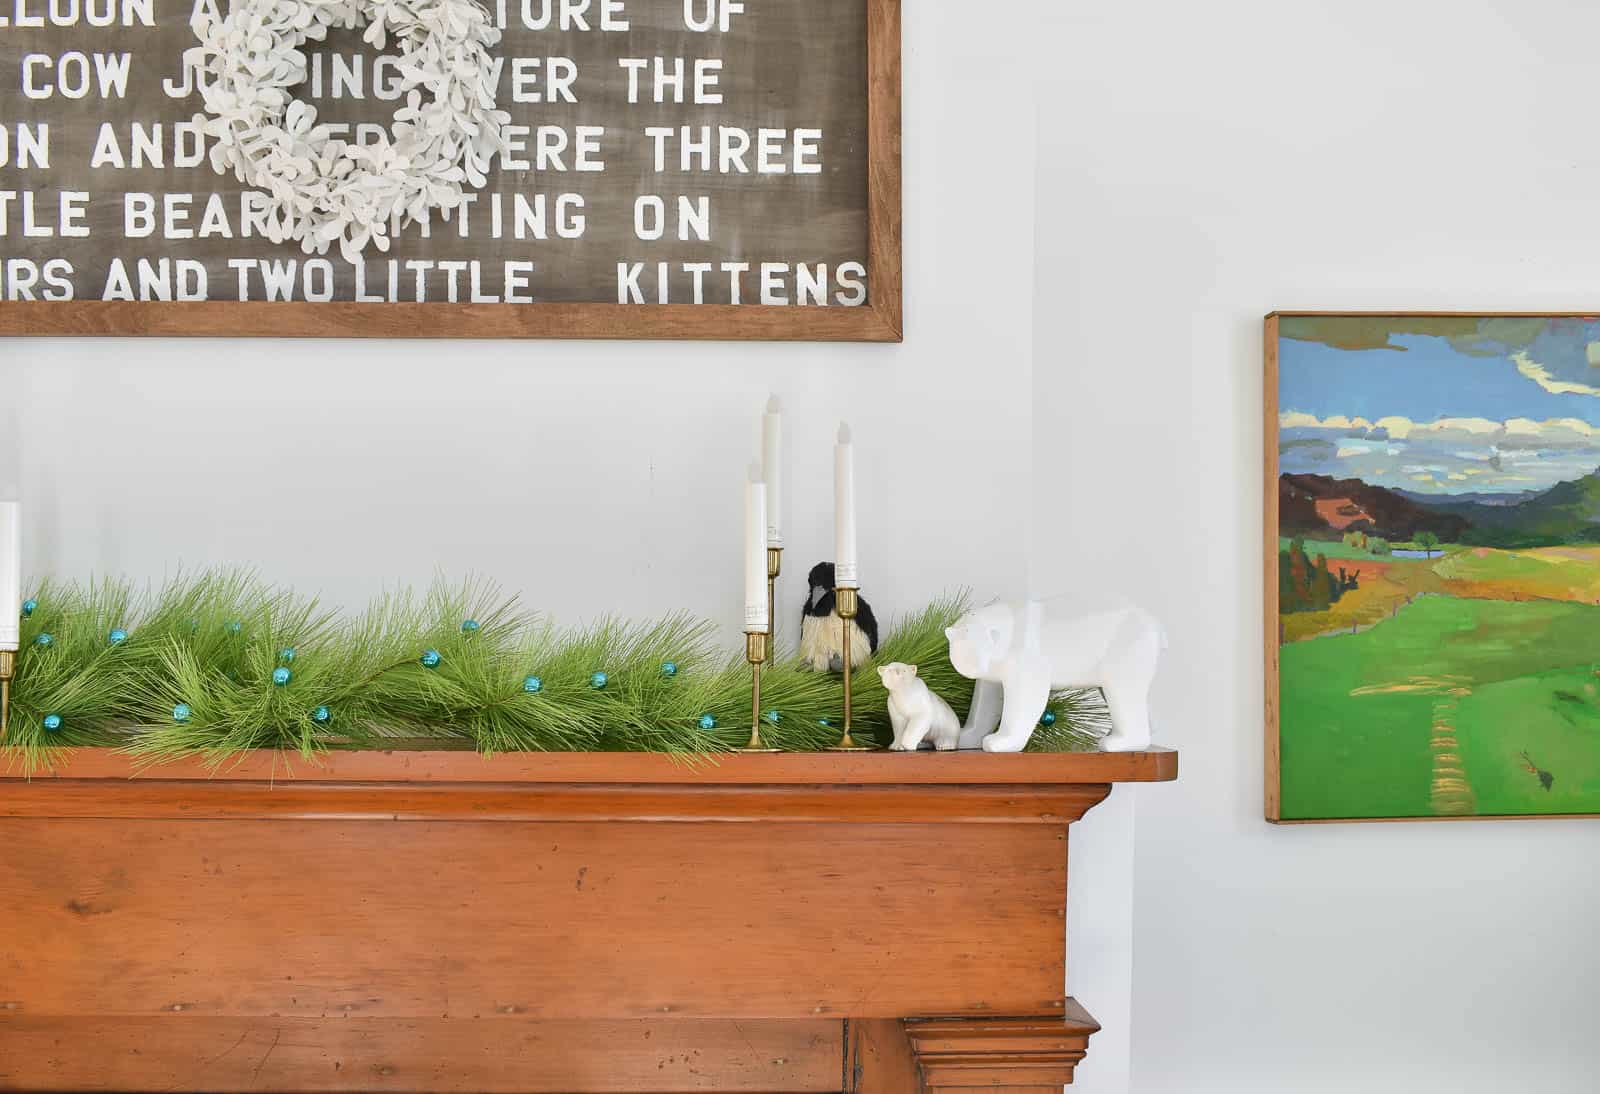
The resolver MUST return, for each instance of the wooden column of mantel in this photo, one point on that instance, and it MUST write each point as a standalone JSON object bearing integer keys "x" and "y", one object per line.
{"x": 417, "y": 920}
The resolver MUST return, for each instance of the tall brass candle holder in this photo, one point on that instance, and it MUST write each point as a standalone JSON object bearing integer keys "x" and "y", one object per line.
{"x": 755, "y": 652}
{"x": 8, "y": 669}
{"x": 845, "y": 605}
{"x": 774, "y": 568}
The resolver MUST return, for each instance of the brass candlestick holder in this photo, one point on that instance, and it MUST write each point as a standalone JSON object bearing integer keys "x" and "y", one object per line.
{"x": 845, "y": 605}
{"x": 8, "y": 669}
{"x": 774, "y": 568}
{"x": 755, "y": 652}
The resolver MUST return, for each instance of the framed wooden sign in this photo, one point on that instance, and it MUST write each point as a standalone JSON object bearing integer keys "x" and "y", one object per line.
{"x": 712, "y": 169}
{"x": 1432, "y": 566}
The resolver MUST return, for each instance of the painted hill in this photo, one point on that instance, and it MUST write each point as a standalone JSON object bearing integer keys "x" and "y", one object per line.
{"x": 1568, "y": 512}
{"x": 1323, "y": 506}
{"x": 1514, "y": 497}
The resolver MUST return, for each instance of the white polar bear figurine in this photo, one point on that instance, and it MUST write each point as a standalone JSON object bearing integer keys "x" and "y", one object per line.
{"x": 1020, "y": 653}
{"x": 916, "y": 712}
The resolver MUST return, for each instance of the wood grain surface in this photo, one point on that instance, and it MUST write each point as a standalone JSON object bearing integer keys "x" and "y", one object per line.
{"x": 420, "y": 765}
{"x": 329, "y": 919}
{"x": 1269, "y": 595}
{"x": 880, "y": 1058}
{"x": 1012, "y": 1053}
{"x": 494, "y": 1055}
{"x": 226, "y": 800}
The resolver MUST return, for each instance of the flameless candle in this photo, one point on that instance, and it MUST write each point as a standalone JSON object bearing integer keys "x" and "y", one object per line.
{"x": 844, "y": 512}
{"x": 755, "y": 552}
{"x": 772, "y": 469}
{"x": 10, "y": 574}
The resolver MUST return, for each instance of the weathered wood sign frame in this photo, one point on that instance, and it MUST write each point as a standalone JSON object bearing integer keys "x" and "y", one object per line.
{"x": 879, "y": 319}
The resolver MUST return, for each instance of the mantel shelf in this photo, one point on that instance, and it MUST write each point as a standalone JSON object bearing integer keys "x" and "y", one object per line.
{"x": 401, "y": 784}
{"x": 616, "y": 768}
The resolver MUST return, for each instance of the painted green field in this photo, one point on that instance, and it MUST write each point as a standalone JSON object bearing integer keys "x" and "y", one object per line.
{"x": 1337, "y": 548}
{"x": 1329, "y": 548}
{"x": 1452, "y": 706}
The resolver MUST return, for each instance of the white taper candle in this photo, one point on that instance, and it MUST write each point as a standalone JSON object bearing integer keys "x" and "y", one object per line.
{"x": 844, "y": 512}
{"x": 755, "y": 552}
{"x": 772, "y": 469}
{"x": 10, "y": 574}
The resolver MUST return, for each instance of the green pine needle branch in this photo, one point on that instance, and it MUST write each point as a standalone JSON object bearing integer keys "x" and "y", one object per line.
{"x": 221, "y": 663}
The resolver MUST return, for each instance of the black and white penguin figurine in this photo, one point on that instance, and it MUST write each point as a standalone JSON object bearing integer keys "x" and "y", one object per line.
{"x": 821, "y": 631}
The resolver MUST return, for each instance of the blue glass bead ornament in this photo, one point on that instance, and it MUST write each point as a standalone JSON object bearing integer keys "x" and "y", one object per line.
{"x": 287, "y": 654}
{"x": 321, "y": 714}
{"x": 823, "y": 722}
{"x": 532, "y": 685}
{"x": 52, "y": 722}
{"x": 771, "y": 716}
{"x": 468, "y": 626}
{"x": 234, "y": 626}
{"x": 181, "y": 712}
{"x": 281, "y": 676}
{"x": 1048, "y": 718}
{"x": 669, "y": 668}
{"x": 430, "y": 659}
{"x": 117, "y": 637}
{"x": 707, "y": 722}
{"x": 29, "y": 606}
{"x": 599, "y": 680}
{"x": 44, "y": 639}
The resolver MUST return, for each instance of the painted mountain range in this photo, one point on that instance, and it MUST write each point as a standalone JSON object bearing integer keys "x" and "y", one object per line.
{"x": 1323, "y": 507}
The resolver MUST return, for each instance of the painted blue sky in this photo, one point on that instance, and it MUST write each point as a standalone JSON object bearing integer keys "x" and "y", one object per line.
{"x": 1439, "y": 405}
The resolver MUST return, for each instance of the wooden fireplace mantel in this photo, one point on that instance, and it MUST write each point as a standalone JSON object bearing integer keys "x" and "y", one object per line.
{"x": 428, "y": 920}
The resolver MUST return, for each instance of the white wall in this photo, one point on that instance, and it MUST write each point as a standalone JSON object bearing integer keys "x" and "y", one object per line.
{"x": 1202, "y": 164}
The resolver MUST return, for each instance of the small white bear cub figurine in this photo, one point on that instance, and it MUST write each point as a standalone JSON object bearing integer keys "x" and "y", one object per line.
{"x": 916, "y": 712}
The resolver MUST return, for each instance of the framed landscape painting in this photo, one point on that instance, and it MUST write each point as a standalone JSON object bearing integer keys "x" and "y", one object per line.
{"x": 1432, "y": 572}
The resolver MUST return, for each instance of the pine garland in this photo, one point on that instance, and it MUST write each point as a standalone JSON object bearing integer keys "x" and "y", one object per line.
{"x": 221, "y": 663}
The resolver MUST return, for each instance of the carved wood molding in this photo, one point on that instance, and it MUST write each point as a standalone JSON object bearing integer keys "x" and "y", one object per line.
{"x": 431, "y": 762}
{"x": 1001, "y": 1052}
{"x": 223, "y": 799}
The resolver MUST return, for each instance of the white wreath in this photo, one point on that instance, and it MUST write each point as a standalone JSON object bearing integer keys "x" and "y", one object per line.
{"x": 325, "y": 189}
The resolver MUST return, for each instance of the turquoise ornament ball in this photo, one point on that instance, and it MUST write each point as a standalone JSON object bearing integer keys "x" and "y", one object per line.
{"x": 117, "y": 636}
{"x": 287, "y": 654}
{"x": 532, "y": 685}
{"x": 52, "y": 722}
{"x": 281, "y": 676}
{"x": 772, "y": 716}
{"x": 29, "y": 606}
{"x": 599, "y": 680}
{"x": 181, "y": 712}
{"x": 1048, "y": 718}
{"x": 669, "y": 668}
{"x": 321, "y": 714}
{"x": 44, "y": 639}
{"x": 468, "y": 626}
{"x": 430, "y": 659}
{"x": 707, "y": 722}
{"x": 234, "y": 626}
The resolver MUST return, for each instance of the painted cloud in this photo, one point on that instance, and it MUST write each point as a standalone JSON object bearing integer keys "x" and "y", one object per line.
{"x": 1450, "y": 455}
